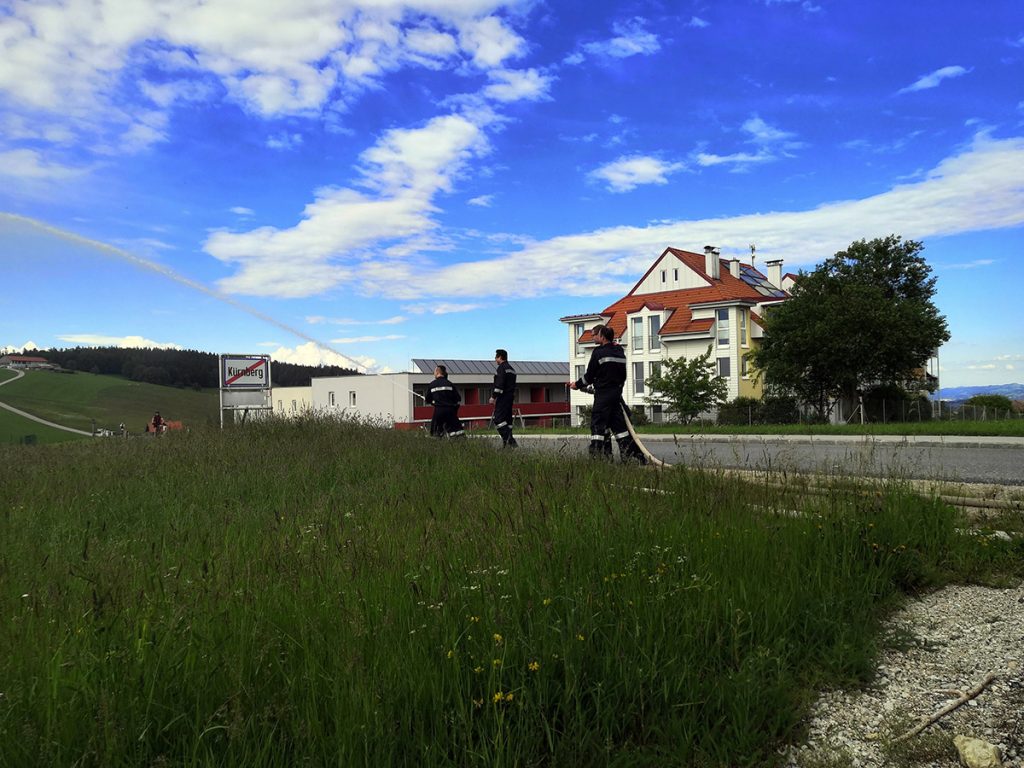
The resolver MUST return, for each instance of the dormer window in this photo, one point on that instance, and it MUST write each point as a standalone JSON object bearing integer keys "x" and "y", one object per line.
{"x": 664, "y": 275}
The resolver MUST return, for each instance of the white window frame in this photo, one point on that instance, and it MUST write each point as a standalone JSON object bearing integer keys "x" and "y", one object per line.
{"x": 722, "y": 325}
{"x": 634, "y": 323}
{"x": 351, "y": 399}
{"x": 726, "y": 363}
{"x": 654, "y": 343}
{"x": 744, "y": 339}
{"x": 638, "y": 381}
{"x": 330, "y": 399}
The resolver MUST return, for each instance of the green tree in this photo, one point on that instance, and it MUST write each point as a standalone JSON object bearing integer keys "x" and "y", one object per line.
{"x": 864, "y": 317}
{"x": 991, "y": 402}
{"x": 687, "y": 387}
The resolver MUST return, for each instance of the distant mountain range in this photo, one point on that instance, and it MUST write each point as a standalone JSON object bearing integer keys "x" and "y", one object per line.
{"x": 1012, "y": 391}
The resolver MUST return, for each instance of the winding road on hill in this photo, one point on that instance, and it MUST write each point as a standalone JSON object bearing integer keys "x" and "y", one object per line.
{"x": 956, "y": 459}
{"x": 12, "y": 409}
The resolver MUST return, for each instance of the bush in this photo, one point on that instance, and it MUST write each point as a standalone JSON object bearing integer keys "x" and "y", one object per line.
{"x": 638, "y": 415}
{"x": 999, "y": 402}
{"x": 742, "y": 410}
{"x": 779, "y": 409}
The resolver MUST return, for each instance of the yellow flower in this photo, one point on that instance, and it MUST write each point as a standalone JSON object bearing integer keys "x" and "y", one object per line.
{"x": 451, "y": 654}
{"x": 497, "y": 639}
{"x": 496, "y": 663}
{"x": 580, "y": 638}
{"x": 475, "y": 619}
{"x": 533, "y": 666}
{"x": 477, "y": 670}
{"x": 546, "y": 601}
{"x": 508, "y": 696}
{"x": 499, "y": 697}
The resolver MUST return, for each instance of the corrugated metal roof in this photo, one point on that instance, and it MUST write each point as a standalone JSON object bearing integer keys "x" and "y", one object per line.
{"x": 486, "y": 367}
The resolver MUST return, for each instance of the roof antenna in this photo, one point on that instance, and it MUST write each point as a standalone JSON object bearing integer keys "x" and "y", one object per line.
{"x": 753, "y": 249}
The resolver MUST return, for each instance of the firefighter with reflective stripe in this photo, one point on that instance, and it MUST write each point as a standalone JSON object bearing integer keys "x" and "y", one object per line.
{"x": 445, "y": 398}
{"x": 502, "y": 396}
{"x": 606, "y": 372}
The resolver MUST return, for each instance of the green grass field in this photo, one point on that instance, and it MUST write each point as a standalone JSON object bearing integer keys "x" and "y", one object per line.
{"x": 311, "y": 593}
{"x": 75, "y": 400}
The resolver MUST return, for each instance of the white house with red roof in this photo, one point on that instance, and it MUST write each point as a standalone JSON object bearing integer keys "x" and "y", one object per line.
{"x": 685, "y": 303}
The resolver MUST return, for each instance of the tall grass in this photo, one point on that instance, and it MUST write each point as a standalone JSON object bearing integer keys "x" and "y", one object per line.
{"x": 316, "y": 594}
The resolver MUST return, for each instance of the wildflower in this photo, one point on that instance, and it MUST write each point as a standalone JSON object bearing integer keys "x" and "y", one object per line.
{"x": 546, "y": 601}
{"x": 474, "y": 619}
{"x": 533, "y": 666}
{"x": 477, "y": 670}
{"x": 451, "y": 654}
{"x": 499, "y": 697}
{"x": 478, "y": 703}
{"x": 508, "y": 696}
{"x": 498, "y": 639}
{"x": 580, "y": 637}
{"x": 496, "y": 663}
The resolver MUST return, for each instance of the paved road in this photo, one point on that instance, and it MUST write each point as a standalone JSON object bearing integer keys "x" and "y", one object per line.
{"x": 12, "y": 409}
{"x": 996, "y": 460}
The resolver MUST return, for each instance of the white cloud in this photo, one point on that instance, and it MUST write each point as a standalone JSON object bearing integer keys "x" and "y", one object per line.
{"x": 698, "y": 22}
{"x": 971, "y": 264}
{"x": 14, "y": 349}
{"x": 627, "y": 173}
{"x": 284, "y": 141}
{"x": 318, "y": 320}
{"x": 739, "y": 160}
{"x": 631, "y": 39}
{"x": 127, "y": 342}
{"x": 441, "y": 308}
{"x": 366, "y": 339}
{"x": 517, "y": 85}
{"x": 312, "y": 353}
{"x": 242, "y": 210}
{"x": 403, "y": 172}
{"x": 982, "y": 188}
{"x": 30, "y": 165}
{"x": 484, "y": 201}
{"x": 933, "y": 79}
{"x": 772, "y": 143}
{"x": 272, "y": 58}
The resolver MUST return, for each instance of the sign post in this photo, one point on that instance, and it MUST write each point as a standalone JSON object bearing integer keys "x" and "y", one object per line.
{"x": 244, "y": 384}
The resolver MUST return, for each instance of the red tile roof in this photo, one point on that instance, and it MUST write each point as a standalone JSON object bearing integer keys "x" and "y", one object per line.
{"x": 726, "y": 288}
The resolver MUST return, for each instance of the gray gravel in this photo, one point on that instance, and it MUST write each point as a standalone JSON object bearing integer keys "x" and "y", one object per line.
{"x": 956, "y": 636}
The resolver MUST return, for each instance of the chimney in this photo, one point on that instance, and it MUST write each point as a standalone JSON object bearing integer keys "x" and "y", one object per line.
{"x": 774, "y": 272}
{"x": 711, "y": 265}
{"x": 734, "y": 267}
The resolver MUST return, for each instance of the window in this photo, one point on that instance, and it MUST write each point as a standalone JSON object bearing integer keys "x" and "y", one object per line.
{"x": 638, "y": 378}
{"x": 675, "y": 275}
{"x": 744, "y": 369}
{"x": 656, "y": 368}
{"x": 655, "y": 340}
{"x": 664, "y": 275}
{"x": 295, "y": 406}
{"x": 723, "y": 367}
{"x": 638, "y": 333}
{"x": 579, "y": 373}
{"x": 743, "y": 327}
{"x": 352, "y": 399}
{"x": 330, "y": 399}
{"x": 657, "y": 416}
{"x": 577, "y": 331}
{"x": 722, "y": 316}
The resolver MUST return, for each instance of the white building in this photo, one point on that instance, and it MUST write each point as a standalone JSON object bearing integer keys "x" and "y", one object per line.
{"x": 292, "y": 401}
{"x": 683, "y": 304}
{"x": 397, "y": 398}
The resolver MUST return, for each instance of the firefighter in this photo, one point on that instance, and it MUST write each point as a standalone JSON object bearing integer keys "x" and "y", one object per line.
{"x": 607, "y": 373}
{"x": 502, "y": 395}
{"x": 445, "y": 398}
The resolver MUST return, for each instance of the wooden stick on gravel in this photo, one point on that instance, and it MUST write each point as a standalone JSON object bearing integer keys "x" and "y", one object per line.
{"x": 971, "y": 694}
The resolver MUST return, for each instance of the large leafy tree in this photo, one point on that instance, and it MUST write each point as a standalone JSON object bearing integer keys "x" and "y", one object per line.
{"x": 687, "y": 387}
{"x": 863, "y": 317}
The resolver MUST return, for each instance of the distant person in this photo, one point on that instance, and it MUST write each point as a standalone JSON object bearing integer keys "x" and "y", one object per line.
{"x": 158, "y": 423}
{"x": 445, "y": 398}
{"x": 502, "y": 396}
{"x": 606, "y": 372}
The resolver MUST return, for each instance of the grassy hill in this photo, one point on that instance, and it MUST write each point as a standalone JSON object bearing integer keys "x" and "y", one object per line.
{"x": 75, "y": 400}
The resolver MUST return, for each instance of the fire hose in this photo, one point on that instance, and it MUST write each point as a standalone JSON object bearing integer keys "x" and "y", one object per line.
{"x": 651, "y": 458}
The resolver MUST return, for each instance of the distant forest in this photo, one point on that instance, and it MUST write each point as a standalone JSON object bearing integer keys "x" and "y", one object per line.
{"x": 175, "y": 367}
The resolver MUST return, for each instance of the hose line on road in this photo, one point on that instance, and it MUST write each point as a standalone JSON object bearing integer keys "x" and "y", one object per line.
{"x": 651, "y": 458}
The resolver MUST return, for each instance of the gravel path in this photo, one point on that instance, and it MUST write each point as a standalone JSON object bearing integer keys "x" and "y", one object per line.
{"x": 956, "y": 636}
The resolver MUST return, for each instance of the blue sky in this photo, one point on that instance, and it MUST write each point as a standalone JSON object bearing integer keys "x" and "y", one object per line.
{"x": 377, "y": 180}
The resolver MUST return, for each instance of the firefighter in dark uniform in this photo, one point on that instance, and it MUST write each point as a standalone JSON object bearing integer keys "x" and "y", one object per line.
{"x": 606, "y": 372}
{"x": 445, "y": 398}
{"x": 502, "y": 395}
